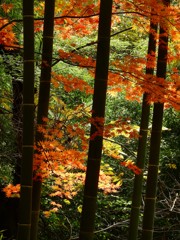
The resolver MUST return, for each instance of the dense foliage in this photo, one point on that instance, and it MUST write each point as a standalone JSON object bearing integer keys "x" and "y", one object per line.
{"x": 60, "y": 158}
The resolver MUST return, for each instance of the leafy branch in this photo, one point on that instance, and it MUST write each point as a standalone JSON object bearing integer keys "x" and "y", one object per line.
{"x": 90, "y": 44}
{"x": 66, "y": 16}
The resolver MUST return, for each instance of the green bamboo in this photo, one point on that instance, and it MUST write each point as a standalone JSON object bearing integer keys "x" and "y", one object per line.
{"x": 141, "y": 153}
{"x": 98, "y": 111}
{"x": 24, "y": 224}
{"x": 152, "y": 178}
{"x": 43, "y": 103}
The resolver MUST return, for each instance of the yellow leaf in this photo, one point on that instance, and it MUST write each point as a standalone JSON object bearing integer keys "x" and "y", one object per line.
{"x": 79, "y": 208}
{"x": 67, "y": 201}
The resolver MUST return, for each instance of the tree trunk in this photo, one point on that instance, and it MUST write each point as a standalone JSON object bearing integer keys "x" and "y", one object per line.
{"x": 141, "y": 153}
{"x": 98, "y": 113}
{"x": 28, "y": 123}
{"x": 17, "y": 124}
{"x": 152, "y": 178}
{"x": 44, "y": 93}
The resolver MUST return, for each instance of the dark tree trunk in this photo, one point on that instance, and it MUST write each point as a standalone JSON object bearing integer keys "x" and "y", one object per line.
{"x": 17, "y": 124}
{"x": 98, "y": 114}
{"x": 153, "y": 165}
{"x": 43, "y": 103}
{"x": 8, "y": 215}
{"x": 25, "y": 206}
{"x": 141, "y": 153}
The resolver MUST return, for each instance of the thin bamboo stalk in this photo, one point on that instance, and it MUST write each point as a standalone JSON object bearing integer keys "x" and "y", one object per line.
{"x": 24, "y": 224}
{"x": 43, "y": 103}
{"x": 141, "y": 153}
{"x": 152, "y": 178}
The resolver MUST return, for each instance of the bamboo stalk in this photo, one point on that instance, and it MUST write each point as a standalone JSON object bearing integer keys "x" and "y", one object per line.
{"x": 24, "y": 224}
{"x": 141, "y": 153}
{"x": 152, "y": 178}
{"x": 43, "y": 103}
{"x": 98, "y": 114}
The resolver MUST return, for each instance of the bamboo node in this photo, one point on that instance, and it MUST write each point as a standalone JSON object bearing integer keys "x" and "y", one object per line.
{"x": 29, "y": 60}
{"x": 26, "y": 186}
{"x": 144, "y": 130}
{"x": 148, "y": 230}
{"x": 149, "y": 198}
{"x": 90, "y": 197}
{"x": 153, "y": 165}
{"x": 31, "y": 16}
{"x": 51, "y": 37}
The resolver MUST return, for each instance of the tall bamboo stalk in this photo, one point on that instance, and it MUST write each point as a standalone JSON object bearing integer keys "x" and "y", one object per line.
{"x": 44, "y": 93}
{"x": 141, "y": 153}
{"x": 17, "y": 87}
{"x": 98, "y": 112}
{"x": 24, "y": 224}
{"x": 152, "y": 178}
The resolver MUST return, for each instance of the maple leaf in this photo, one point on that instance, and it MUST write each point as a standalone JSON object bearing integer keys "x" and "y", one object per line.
{"x": 6, "y": 7}
{"x": 7, "y": 36}
{"x": 131, "y": 165}
{"x": 12, "y": 190}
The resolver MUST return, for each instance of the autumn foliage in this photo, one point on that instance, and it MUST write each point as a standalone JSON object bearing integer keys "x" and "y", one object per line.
{"x": 128, "y": 74}
{"x": 61, "y": 156}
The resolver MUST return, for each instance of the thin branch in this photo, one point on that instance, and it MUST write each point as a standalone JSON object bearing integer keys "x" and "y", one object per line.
{"x": 11, "y": 46}
{"x": 122, "y": 145}
{"x": 105, "y": 229}
{"x": 90, "y": 44}
{"x": 4, "y": 111}
{"x": 95, "y": 42}
{"x": 70, "y": 63}
{"x": 67, "y": 16}
{"x": 42, "y": 19}
{"x": 172, "y": 207}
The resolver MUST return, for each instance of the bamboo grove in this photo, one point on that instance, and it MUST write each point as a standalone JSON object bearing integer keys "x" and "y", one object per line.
{"x": 65, "y": 146}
